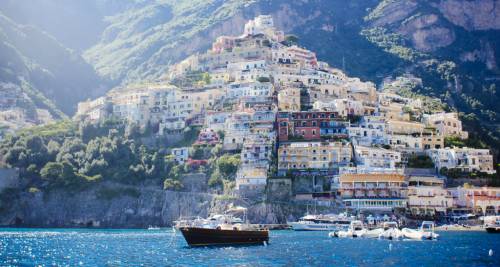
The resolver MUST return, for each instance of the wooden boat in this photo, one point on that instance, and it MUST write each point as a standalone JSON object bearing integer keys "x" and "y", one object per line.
{"x": 195, "y": 236}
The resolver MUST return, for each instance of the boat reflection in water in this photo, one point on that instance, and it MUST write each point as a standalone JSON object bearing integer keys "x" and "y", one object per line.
{"x": 222, "y": 230}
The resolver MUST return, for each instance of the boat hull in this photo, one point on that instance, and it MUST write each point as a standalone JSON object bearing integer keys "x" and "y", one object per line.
{"x": 493, "y": 230}
{"x": 216, "y": 237}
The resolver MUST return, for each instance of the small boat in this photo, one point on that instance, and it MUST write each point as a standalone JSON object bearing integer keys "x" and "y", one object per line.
{"x": 328, "y": 222}
{"x": 153, "y": 228}
{"x": 374, "y": 233}
{"x": 356, "y": 229}
{"x": 391, "y": 231}
{"x": 492, "y": 224}
{"x": 426, "y": 231}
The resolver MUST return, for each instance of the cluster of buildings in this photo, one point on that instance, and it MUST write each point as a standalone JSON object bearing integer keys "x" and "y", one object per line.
{"x": 278, "y": 106}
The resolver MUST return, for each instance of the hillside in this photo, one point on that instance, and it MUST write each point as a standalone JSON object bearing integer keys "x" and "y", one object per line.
{"x": 452, "y": 45}
{"x": 43, "y": 81}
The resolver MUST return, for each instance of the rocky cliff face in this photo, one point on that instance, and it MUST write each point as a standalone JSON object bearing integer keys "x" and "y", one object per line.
{"x": 147, "y": 206}
{"x": 472, "y": 15}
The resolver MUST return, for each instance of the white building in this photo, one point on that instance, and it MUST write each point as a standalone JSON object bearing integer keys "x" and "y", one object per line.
{"x": 370, "y": 131}
{"x": 465, "y": 159}
{"x": 344, "y": 107}
{"x": 372, "y": 157}
{"x": 263, "y": 24}
{"x": 238, "y": 90}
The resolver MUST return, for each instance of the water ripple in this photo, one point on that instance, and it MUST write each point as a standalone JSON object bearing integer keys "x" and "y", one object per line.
{"x": 82, "y": 247}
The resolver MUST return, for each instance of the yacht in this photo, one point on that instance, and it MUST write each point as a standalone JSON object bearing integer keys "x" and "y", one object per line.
{"x": 356, "y": 229}
{"x": 426, "y": 231}
{"x": 328, "y": 222}
{"x": 221, "y": 229}
{"x": 391, "y": 231}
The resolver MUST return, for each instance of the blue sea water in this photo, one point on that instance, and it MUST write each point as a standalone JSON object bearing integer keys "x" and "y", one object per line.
{"x": 84, "y": 247}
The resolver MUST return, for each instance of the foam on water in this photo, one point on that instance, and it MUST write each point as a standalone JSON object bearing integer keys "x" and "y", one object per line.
{"x": 73, "y": 247}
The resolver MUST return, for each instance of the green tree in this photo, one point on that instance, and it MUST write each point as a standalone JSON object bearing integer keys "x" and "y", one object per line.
{"x": 171, "y": 184}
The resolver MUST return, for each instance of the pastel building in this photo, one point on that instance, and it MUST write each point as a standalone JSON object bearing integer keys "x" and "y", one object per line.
{"x": 480, "y": 200}
{"x": 373, "y": 157}
{"x": 289, "y": 99}
{"x": 428, "y": 197}
{"x": 313, "y": 155}
{"x": 311, "y": 125}
{"x": 373, "y": 191}
{"x": 446, "y": 124}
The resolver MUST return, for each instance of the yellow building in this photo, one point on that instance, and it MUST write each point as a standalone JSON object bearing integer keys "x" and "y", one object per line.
{"x": 289, "y": 99}
{"x": 378, "y": 191}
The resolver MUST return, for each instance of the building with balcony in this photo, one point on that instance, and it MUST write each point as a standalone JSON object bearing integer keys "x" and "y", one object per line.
{"x": 373, "y": 157}
{"x": 464, "y": 159}
{"x": 480, "y": 200}
{"x": 369, "y": 131}
{"x": 428, "y": 197}
{"x": 256, "y": 151}
{"x": 373, "y": 191}
{"x": 311, "y": 125}
{"x": 313, "y": 155}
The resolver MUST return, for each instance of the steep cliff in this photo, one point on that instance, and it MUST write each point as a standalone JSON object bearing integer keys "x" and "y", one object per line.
{"x": 111, "y": 205}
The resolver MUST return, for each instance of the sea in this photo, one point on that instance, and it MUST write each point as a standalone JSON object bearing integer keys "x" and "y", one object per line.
{"x": 165, "y": 247}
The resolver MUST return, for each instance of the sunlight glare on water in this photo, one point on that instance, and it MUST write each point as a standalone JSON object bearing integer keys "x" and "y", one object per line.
{"x": 84, "y": 247}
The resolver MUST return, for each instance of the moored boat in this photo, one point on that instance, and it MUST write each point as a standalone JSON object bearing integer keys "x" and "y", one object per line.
{"x": 426, "y": 231}
{"x": 492, "y": 224}
{"x": 374, "y": 233}
{"x": 328, "y": 222}
{"x": 391, "y": 231}
{"x": 356, "y": 229}
{"x": 222, "y": 229}
{"x": 195, "y": 236}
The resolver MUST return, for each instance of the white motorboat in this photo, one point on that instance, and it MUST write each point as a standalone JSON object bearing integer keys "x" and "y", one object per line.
{"x": 426, "y": 231}
{"x": 356, "y": 229}
{"x": 374, "y": 233}
{"x": 328, "y": 222}
{"x": 391, "y": 231}
{"x": 153, "y": 228}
